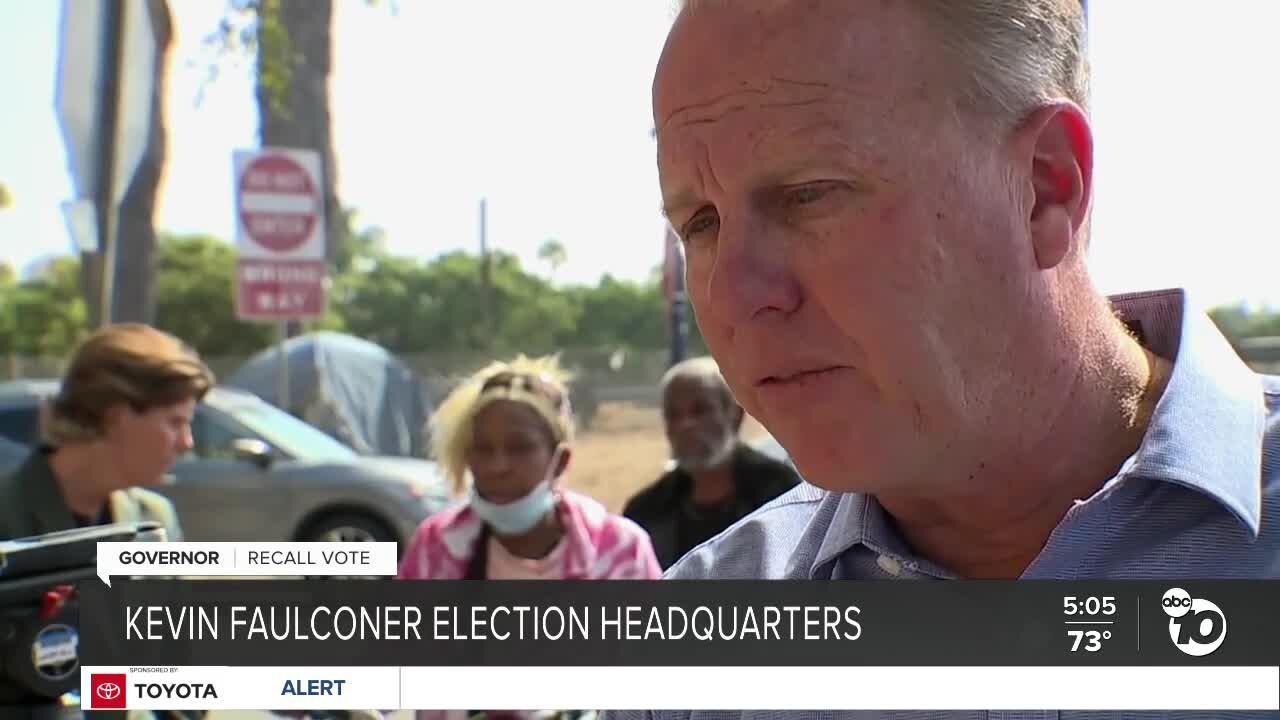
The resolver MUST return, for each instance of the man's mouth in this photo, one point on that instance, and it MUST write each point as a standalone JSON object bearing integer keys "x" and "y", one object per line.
{"x": 801, "y": 377}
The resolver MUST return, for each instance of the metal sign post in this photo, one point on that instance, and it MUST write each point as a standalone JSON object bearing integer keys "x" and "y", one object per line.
{"x": 106, "y": 76}
{"x": 282, "y": 372}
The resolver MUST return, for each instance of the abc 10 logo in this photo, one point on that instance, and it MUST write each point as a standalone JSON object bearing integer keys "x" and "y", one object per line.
{"x": 1196, "y": 626}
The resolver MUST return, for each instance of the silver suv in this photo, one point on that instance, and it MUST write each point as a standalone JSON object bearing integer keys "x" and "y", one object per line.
{"x": 257, "y": 473}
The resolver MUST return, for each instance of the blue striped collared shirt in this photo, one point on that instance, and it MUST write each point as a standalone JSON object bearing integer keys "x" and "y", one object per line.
{"x": 1199, "y": 500}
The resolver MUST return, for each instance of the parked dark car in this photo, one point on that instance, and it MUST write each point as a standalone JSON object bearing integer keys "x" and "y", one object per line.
{"x": 259, "y": 474}
{"x": 11, "y": 453}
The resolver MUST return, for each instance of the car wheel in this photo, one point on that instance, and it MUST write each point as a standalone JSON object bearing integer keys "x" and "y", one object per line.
{"x": 348, "y": 528}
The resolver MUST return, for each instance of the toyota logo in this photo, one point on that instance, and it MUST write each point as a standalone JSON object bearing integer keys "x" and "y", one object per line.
{"x": 107, "y": 691}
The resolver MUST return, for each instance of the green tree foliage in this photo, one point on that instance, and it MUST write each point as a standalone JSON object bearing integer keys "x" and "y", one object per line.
{"x": 412, "y": 306}
{"x": 8, "y": 318}
{"x": 196, "y": 297}
{"x": 617, "y": 312}
{"x": 1238, "y": 323}
{"x": 45, "y": 314}
{"x": 406, "y": 305}
{"x": 530, "y": 314}
{"x": 362, "y": 249}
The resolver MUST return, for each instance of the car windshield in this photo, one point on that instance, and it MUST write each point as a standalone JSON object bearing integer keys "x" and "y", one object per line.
{"x": 286, "y": 432}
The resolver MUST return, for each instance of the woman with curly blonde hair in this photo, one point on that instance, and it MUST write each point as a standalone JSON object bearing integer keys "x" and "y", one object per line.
{"x": 504, "y": 436}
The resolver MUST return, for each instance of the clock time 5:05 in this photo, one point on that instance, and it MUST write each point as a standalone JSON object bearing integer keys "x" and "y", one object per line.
{"x": 1091, "y": 607}
{"x": 1088, "y": 606}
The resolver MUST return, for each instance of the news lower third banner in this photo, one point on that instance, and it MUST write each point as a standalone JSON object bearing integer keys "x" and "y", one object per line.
{"x": 330, "y": 643}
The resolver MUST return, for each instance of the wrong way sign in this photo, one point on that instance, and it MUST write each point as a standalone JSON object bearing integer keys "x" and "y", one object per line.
{"x": 280, "y": 234}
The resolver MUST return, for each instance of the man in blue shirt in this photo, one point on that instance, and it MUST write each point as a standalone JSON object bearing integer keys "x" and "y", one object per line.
{"x": 885, "y": 213}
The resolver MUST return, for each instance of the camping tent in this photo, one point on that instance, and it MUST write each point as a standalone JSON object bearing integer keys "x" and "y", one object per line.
{"x": 352, "y": 389}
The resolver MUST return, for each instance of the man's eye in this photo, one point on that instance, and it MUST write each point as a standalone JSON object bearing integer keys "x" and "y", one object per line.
{"x": 808, "y": 194}
{"x": 702, "y": 222}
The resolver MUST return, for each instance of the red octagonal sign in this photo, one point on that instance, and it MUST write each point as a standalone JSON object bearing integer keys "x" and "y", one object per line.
{"x": 278, "y": 203}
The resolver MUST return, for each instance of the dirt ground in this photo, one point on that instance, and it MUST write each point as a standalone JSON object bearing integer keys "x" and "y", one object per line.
{"x": 624, "y": 450}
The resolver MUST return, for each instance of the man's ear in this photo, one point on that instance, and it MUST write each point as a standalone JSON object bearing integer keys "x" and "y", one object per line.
{"x": 1058, "y": 142}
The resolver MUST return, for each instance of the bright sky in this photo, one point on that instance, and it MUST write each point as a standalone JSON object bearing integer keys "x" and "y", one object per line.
{"x": 544, "y": 109}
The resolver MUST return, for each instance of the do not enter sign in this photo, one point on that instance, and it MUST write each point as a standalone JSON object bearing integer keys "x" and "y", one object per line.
{"x": 278, "y": 203}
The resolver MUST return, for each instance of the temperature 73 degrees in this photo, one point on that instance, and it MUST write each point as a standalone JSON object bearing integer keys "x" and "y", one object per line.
{"x": 1089, "y": 621}
{"x": 1088, "y": 640}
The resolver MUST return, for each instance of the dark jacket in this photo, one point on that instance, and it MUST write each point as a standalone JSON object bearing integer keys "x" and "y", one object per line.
{"x": 32, "y": 504}
{"x": 666, "y": 511}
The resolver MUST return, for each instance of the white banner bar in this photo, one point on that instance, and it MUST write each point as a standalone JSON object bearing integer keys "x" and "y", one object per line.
{"x": 239, "y": 688}
{"x": 842, "y": 688}
{"x": 682, "y": 688}
{"x": 241, "y": 559}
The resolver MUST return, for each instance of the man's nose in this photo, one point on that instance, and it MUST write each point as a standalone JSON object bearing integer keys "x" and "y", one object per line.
{"x": 752, "y": 273}
{"x": 185, "y": 441}
{"x": 683, "y": 423}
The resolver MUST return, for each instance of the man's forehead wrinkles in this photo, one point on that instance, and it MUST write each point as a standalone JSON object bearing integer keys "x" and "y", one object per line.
{"x": 758, "y": 138}
{"x": 711, "y": 110}
{"x": 791, "y": 94}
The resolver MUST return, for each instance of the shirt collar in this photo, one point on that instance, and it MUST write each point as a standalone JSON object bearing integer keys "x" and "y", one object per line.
{"x": 857, "y": 519}
{"x": 1205, "y": 434}
{"x": 1207, "y": 429}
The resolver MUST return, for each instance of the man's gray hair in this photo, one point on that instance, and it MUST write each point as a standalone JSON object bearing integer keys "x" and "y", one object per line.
{"x": 1017, "y": 54}
{"x": 1013, "y": 54}
{"x": 703, "y": 369}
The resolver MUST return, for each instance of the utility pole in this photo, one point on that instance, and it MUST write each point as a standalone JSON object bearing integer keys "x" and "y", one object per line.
{"x": 108, "y": 214}
{"x": 486, "y": 276}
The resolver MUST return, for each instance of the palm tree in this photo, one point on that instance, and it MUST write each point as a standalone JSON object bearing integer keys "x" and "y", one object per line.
{"x": 554, "y": 254}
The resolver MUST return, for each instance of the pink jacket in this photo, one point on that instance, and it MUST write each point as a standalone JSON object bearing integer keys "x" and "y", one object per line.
{"x": 599, "y": 545}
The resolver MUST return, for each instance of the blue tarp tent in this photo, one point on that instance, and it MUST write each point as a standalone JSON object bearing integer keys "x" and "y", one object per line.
{"x": 352, "y": 389}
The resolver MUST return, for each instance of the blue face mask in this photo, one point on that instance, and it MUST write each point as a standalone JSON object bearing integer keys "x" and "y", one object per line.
{"x": 519, "y": 516}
